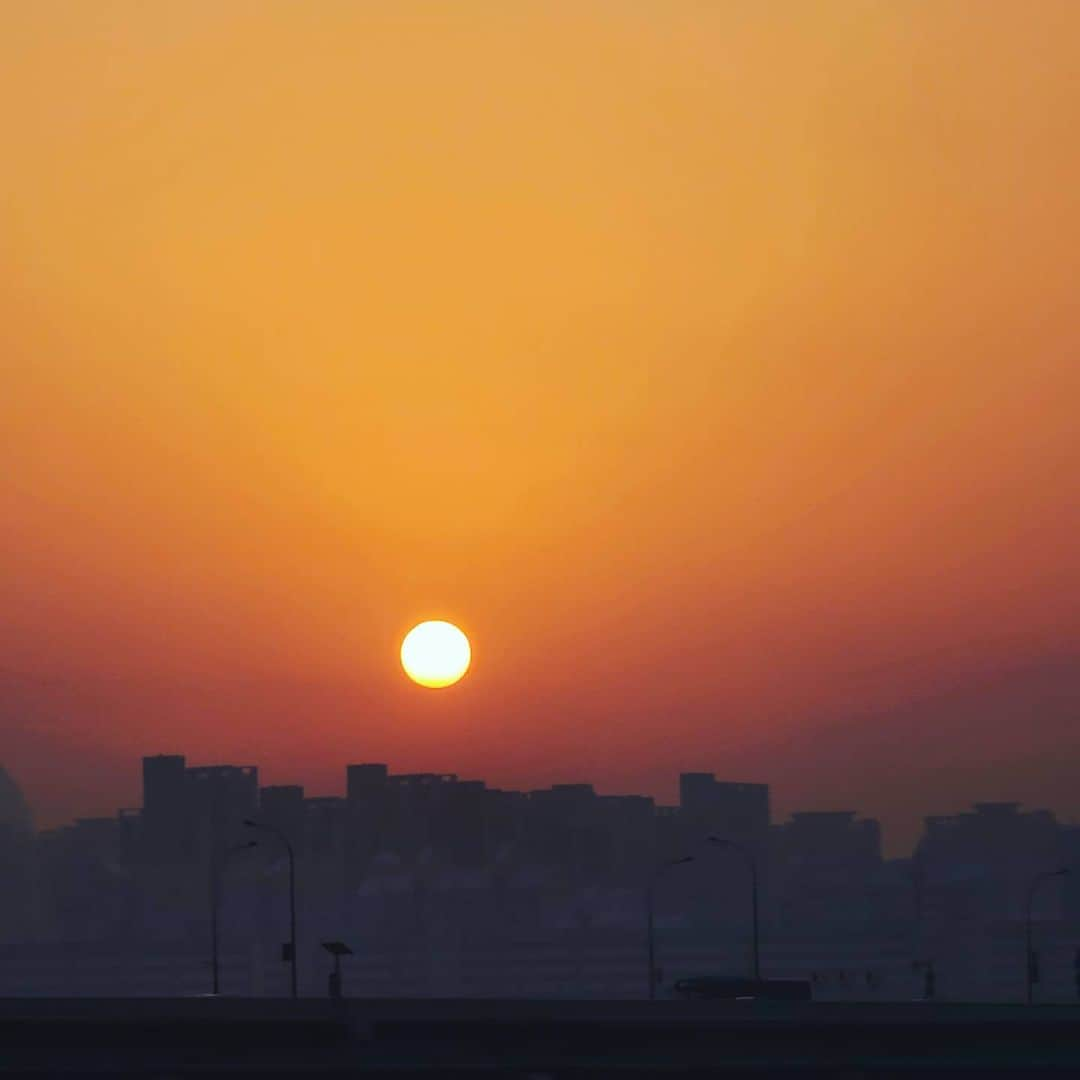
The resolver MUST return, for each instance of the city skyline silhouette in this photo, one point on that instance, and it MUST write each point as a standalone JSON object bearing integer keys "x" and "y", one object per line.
{"x": 722, "y": 389}
{"x": 660, "y": 416}
{"x": 445, "y": 872}
{"x": 961, "y": 742}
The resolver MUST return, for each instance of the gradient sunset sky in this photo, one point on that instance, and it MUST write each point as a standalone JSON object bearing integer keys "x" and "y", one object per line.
{"x": 716, "y": 366}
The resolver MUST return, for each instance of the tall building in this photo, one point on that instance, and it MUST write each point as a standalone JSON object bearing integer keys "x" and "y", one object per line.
{"x": 978, "y": 864}
{"x": 165, "y": 807}
{"x": 630, "y": 822}
{"x": 325, "y": 826}
{"x": 460, "y": 830}
{"x": 365, "y": 782}
{"x": 18, "y": 909}
{"x": 825, "y": 866}
{"x": 414, "y": 804}
{"x": 719, "y": 807}
{"x": 366, "y": 795}
{"x": 564, "y": 828}
{"x": 14, "y": 810}
{"x": 830, "y": 837}
{"x": 282, "y": 806}
{"x": 220, "y": 797}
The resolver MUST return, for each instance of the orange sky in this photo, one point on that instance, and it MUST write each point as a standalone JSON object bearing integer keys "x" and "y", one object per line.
{"x": 715, "y": 366}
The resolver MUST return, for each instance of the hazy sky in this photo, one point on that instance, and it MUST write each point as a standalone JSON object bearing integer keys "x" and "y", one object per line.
{"x": 716, "y": 366}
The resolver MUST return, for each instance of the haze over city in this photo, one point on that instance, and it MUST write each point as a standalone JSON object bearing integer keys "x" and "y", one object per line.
{"x": 713, "y": 367}
{"x": 539, "y": 538}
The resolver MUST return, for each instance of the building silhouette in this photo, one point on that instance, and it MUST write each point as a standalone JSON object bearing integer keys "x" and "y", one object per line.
{"x": 441, "y": 884}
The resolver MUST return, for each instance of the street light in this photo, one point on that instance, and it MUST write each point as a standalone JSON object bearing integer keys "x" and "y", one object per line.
{"x": 217, "y": 865}
{"x": 650, "y": 888}
{"x": 1036, "y": 881}
{"x": 751, "y": 863}
{"x": 292, "y": 891}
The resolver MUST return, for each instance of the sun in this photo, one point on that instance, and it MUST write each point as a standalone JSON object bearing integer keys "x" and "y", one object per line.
{"x": 435, "y": 654}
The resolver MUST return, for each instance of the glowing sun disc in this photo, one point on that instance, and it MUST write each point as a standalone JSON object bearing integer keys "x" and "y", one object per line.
{"x": 435, "y": 654}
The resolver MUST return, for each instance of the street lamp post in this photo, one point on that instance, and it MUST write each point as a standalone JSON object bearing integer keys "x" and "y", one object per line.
{"x": 292, "y": 892}
{"x": 217, "y": 865}
{"x": 1029, "y": 953}
{"x": 751, "y": 863}
{"x": 649, "y": 928}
